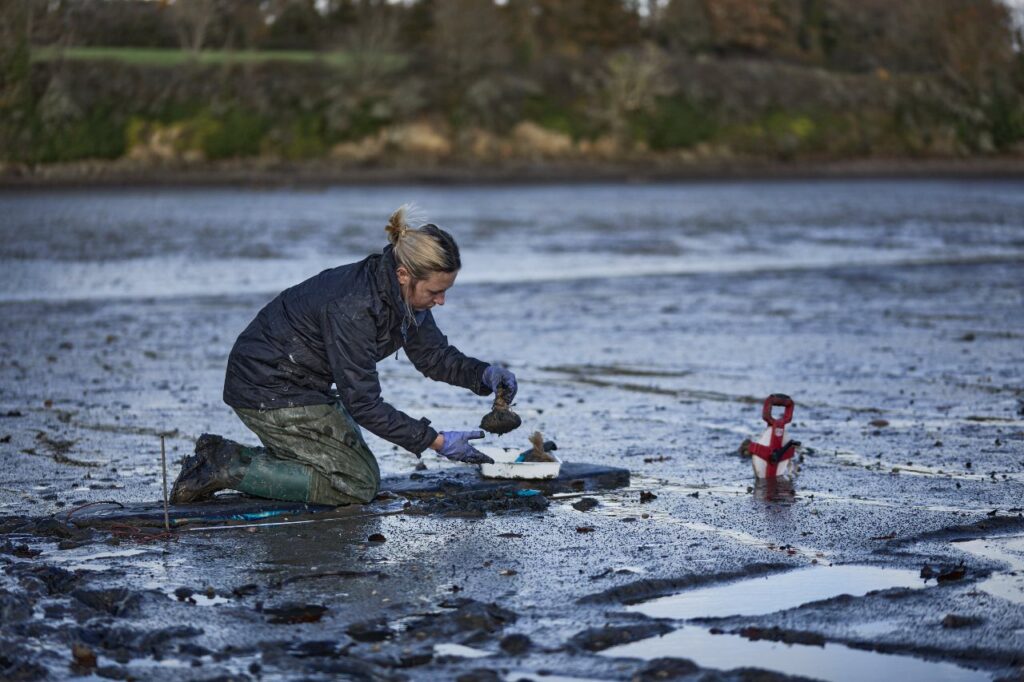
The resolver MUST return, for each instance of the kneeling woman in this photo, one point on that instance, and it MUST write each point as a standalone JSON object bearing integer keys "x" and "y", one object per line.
{"x": 333, "y": 329}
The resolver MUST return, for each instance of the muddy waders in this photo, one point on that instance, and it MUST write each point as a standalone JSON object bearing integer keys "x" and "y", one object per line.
{"x": 312, "y": 454}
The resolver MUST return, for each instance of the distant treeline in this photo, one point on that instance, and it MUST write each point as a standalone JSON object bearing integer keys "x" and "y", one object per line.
{"x": 467, "y": 81}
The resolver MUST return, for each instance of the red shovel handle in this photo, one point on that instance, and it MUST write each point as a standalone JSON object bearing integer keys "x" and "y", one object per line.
{"x": 777, "y": 400}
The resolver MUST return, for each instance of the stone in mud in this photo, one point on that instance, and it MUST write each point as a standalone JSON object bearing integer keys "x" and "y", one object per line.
{"x": 949, "y": 574}
{"x": 585, "y": 504}
{"x": 665, "y": 669}
{"x": 501, "y": 419}
{"x": 52, "y": 579}
{"x": 954, "y": 621}
{"x": 116, "y": 602}
{"x": 470, "y": 622}
{"x": 777, "y": 634}
{"x": 291, "y": 614}
{"x": 83, "y": 658}
{"x": 22, "y": 551}
{"x": 123, "y": 642}
{"x": 480, "y": 675}
{"x": 16, "y": 670}
{"x": 599, "y": 639}
{"x": 516, "y": 645}
{"x": 375, "y": 630}
{"x": 14, "y": 608}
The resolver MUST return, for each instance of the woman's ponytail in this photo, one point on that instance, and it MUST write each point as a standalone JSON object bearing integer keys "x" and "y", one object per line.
{"x": 421, "y": 250}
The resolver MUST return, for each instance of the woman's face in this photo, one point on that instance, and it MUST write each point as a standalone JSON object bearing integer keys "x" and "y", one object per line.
{"x": 424, "y": 294}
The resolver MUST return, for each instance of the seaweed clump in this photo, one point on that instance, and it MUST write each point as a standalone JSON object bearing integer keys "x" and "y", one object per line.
{"x": 539, "y": 452}
{"x": 501, "y": 419}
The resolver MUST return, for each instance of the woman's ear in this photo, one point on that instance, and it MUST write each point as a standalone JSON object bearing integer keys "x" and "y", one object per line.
{"x": 404, "y": 278}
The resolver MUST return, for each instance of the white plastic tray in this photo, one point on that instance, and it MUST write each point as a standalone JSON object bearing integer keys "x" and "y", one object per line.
{"x": 505, "y": 465}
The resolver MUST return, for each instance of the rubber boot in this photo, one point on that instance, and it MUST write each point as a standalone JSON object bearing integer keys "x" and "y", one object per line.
{"x": 220, "y": 464}
{"x": 217, "y": 464}
{"x": 275, "y": 478}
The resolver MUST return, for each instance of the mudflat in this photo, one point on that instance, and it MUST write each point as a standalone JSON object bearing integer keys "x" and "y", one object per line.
{"x": 646, "y": 324}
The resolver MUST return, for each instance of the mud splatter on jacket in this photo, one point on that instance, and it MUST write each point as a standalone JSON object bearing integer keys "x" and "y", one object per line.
{"x": 334, "y": 328}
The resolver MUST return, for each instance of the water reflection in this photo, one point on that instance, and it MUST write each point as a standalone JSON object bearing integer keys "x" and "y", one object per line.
{"x": 775, "y": 490}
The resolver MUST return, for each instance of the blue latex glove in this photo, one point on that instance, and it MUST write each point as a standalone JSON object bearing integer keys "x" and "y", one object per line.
{"x": 495, "y": 375}
{"x": 456, "y": 447}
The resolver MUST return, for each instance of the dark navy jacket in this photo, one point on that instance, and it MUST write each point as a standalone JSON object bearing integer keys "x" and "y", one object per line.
{"x": 334, "y": 328}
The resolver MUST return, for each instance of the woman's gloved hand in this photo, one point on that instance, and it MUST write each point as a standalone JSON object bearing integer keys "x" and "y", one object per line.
{"x": 456, "y": 447}
{"x": 496, "y": 375}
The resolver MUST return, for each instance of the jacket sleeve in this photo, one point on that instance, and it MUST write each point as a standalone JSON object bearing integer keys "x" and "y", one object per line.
{"x": 429, "y": 351}
{"x": 349, "y": 337}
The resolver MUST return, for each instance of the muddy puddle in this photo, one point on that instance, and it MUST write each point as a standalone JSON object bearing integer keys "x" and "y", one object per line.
{"x": 832, "y": 662}
{"x": 775, "y": 592}
{"x": 1008, "y": 550}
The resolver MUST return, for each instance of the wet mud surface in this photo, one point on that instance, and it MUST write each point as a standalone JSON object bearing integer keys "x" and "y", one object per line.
{"x": 893, "y": 321}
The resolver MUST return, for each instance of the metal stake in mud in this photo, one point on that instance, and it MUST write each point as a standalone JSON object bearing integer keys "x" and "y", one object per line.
{"x": 163, "y": 464}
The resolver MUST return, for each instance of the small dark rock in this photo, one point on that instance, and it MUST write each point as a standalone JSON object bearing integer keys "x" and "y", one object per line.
{"x": 585, "y": 504}
{"x": 951, "y": 574}
{"x": 291, "y": 614}
{"x": 21, "y": 671}
{"x": 516, "y": 645}
{"x": 116, "y": 602}
{"x": 375, "y": 630}
{"x": 14, "y": 608}
{"x": 185, "y": 594}
{"x": 646, "y": 496}
{"x": 954, "y": 621}
{"x": 776, "y": 634}
{"x": 665, "y": 669}
{"x": 22, "y": 551}
{"x": 584, "y": 529}
{"x": 599, "y": 639}
{"x": 377, "y": 537}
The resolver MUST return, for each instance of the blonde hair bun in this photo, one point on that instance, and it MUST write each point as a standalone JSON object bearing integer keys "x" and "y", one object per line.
{"x": 421, "y": 250}
{"x": 398, "y": 224}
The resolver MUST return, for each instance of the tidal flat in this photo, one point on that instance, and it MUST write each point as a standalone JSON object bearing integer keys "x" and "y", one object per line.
{"x": 646, "y": 323}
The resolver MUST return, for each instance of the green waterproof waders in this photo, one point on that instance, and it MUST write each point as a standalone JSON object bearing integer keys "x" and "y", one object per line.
{"x": 313, "y": 454}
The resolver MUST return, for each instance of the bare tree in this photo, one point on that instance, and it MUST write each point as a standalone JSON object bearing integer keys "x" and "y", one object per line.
{"x": 193, "y": 19}
{"x": 372, "y": 43}
{"x": 468, "y": 41}
{"x": 631, "y": 82}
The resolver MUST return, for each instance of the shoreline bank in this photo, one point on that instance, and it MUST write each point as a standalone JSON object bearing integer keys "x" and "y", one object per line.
{"x": 316, "y": 174}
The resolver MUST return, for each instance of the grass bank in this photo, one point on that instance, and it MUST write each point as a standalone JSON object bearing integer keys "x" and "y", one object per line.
{"x": 172, "y": 57}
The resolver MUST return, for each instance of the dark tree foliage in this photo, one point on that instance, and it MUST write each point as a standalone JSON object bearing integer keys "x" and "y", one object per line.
{"x": 783, "y": 78}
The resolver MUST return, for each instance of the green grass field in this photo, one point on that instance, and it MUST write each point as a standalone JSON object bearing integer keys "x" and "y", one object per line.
{"x": 174, "y": 57}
